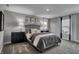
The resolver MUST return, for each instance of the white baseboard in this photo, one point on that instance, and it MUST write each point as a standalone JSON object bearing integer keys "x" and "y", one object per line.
{"x": 7, "y": 42}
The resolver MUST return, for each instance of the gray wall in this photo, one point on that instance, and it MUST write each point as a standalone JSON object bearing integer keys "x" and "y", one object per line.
{"x": 11, "y": 24}
{"x": 54, "y": 26}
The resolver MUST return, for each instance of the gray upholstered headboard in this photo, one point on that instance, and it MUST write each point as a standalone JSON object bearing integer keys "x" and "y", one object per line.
{"x": 31, "y": 26}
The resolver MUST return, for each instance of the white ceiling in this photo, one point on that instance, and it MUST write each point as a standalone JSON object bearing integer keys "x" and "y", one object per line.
{"x": 40, "y": 9}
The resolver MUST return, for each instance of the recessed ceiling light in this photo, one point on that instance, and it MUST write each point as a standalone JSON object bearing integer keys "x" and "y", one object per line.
{"x": 47, "y": 9}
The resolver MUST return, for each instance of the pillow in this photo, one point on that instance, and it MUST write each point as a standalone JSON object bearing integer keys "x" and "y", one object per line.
{"x": 35, "y": 31}
{"x": 28, "y": 35}
{"x": 38, "y": 31}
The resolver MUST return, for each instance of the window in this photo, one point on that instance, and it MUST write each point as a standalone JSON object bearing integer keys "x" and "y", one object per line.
{"x": 65, "y": 27}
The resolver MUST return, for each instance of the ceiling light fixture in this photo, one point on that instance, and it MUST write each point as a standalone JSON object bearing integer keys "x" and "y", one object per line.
{"x": 47, "y": 9}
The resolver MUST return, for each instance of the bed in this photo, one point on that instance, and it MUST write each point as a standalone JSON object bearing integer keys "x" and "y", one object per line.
{"x": 43, "y": 41}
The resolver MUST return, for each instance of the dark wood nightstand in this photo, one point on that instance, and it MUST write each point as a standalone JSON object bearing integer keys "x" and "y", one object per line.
{"x": 17, "y": 37}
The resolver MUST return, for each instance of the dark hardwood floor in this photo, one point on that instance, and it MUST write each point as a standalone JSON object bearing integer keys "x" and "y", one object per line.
{"x": 19, "y": 48}
{"x": 65, "y": 47}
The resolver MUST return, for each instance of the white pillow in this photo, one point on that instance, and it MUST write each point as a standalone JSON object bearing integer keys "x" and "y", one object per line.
{"x": 38, "y": 31}
{"x": 35, "y": 31}
{"x": 28, "y": 35}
